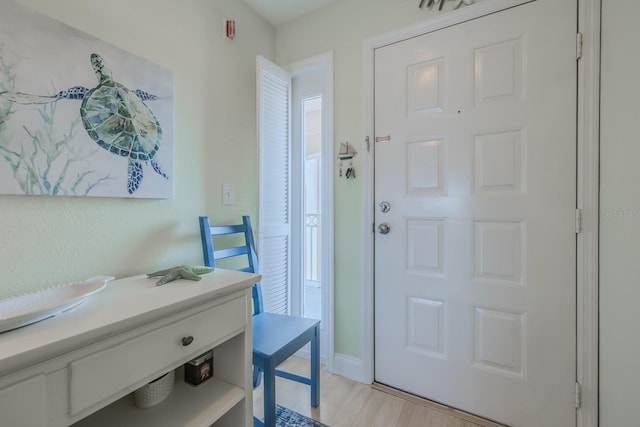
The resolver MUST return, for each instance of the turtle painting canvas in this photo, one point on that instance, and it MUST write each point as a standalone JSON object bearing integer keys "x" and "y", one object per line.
{"x": 79, "y": 116}
{"x": 116, "y": 118}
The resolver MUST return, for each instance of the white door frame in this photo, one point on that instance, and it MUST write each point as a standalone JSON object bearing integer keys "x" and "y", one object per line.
{"x": 325, "y": 61}
{"x": 588, "y": 104}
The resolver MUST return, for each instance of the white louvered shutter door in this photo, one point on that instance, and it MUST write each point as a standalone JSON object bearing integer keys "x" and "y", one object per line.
{"x": 274, "y": 225}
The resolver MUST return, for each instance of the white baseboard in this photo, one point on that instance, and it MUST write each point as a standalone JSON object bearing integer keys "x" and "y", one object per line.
{"x": 350, "y": 368}
{"x": 304, "y": 353}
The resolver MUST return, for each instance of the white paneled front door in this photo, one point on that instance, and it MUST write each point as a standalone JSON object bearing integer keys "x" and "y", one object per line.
{"x": 475, "y": 281}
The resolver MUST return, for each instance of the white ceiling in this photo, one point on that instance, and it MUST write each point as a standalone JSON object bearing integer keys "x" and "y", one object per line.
{"x": 278, "y": 12}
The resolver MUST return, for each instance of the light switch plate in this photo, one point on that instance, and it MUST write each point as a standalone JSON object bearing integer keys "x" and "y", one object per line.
{"x": 227, "y": 194}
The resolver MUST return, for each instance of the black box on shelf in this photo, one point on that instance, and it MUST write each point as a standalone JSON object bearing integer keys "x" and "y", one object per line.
{"x": 200, "y": 369}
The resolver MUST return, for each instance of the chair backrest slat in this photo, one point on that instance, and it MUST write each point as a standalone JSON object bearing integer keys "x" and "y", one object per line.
{"x": 230, "y": 252}
{"x": 219, "y": 230}
{"x": 211, "y": 254}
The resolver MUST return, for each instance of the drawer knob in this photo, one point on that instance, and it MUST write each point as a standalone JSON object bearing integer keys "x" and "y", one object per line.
{"x": 187, "y": 340}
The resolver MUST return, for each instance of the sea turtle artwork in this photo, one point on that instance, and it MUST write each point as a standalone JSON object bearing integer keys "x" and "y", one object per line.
{"x": 115, "y": 117}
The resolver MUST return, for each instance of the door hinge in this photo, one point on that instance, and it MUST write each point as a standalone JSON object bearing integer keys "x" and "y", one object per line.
{"x": 578, "y": 45}
{"x": 373, "y": 227}
{"x": 578, "y": 395}
{"x": 578, "y": 221}
{"x": 366, "y": 139}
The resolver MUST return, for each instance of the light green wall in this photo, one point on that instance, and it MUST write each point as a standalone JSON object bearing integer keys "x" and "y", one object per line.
{"x": 620, "y": 214}
{"x": 342, "y": 28}
{"x": 51, "y": 240}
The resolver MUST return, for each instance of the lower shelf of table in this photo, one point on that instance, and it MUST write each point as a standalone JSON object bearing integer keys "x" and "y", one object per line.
{"x": 186, "y": 406}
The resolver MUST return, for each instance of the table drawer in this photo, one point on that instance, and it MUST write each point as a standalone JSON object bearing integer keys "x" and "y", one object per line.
{"x": 24, "y": 404}
{"x": 110, "y": 372}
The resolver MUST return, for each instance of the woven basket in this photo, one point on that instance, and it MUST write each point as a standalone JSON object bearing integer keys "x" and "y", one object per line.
{"x": 155, "y": 392}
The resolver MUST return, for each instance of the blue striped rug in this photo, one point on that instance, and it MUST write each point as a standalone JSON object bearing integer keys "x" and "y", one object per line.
{"x": 287, "y": 418}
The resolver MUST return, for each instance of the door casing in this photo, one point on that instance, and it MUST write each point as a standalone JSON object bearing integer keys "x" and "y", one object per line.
{"x": 587, "y": 192}
{"x": 324, "y": 63}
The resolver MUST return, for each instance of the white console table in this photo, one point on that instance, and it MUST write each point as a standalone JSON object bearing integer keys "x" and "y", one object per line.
{"x": 80, "y": 368}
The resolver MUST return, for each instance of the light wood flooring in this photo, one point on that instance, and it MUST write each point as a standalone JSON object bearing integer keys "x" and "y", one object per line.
{"x": 344, "y": 403}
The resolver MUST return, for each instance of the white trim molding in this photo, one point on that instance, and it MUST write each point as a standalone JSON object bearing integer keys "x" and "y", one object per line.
{"x": 587, "y": 192}
{"x": 325, "y": 61}
{"x": 350, "y": 367}
{"x": 587, "y": 301}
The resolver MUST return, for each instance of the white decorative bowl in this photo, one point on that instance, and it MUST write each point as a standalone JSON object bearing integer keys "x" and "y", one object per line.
{"x": 32, "y": 307}
{"x": 155, "y": 392}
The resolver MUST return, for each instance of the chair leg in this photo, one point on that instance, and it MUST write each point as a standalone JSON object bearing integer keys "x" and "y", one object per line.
{"x": 269, "y": 396}
{"x": 315, "y": 368}
{"x": 257, "y": 373}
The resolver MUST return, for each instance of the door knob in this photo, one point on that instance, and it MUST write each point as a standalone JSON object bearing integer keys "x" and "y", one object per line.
{"x": 384, "y": 228}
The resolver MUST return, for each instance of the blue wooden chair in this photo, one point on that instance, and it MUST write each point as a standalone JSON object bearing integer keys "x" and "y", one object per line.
{"x": 276, "y": 337}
